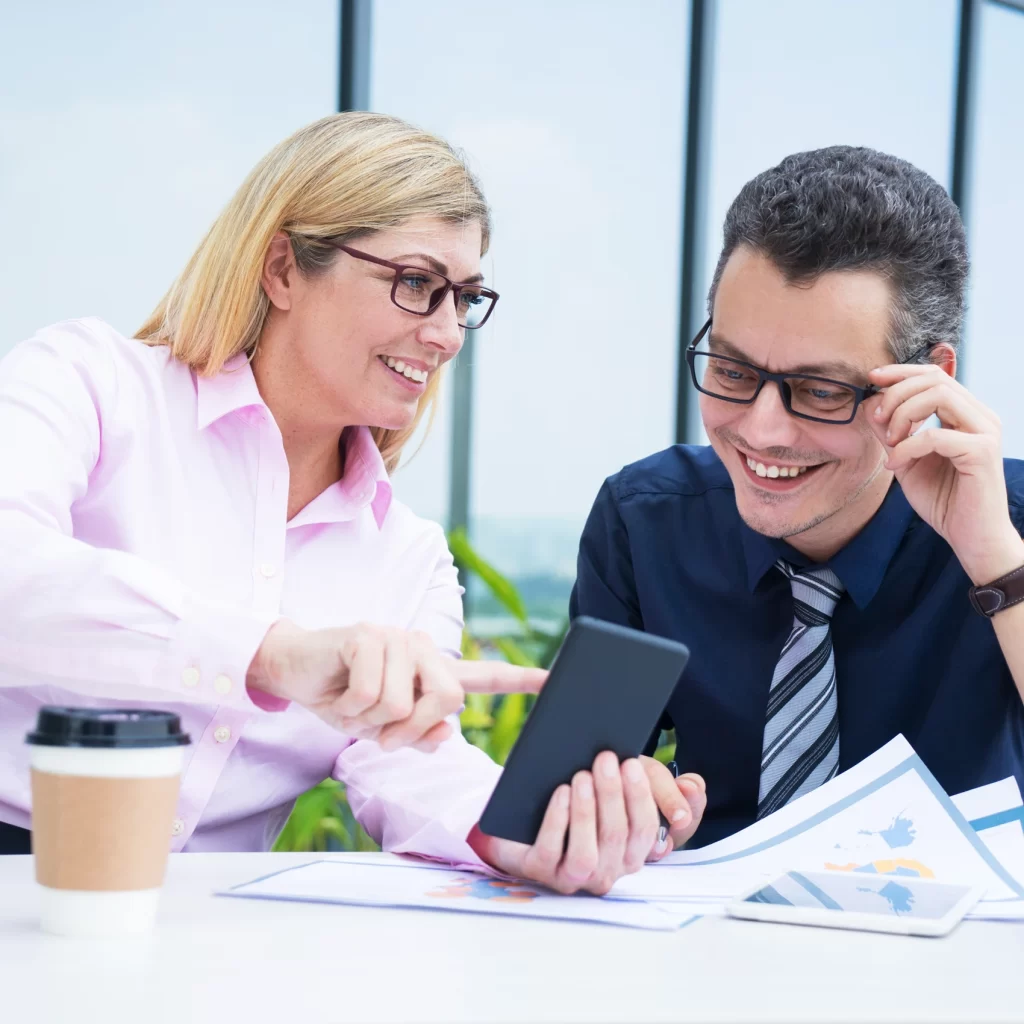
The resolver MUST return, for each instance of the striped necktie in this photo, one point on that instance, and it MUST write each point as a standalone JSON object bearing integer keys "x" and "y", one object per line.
{"x": 801, "y": 733}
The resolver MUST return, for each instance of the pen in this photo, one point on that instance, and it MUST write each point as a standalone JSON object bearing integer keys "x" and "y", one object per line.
{"x": 663, "y": 831}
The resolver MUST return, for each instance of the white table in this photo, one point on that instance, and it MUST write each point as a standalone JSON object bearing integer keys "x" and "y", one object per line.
{"x": 235, "y": 961}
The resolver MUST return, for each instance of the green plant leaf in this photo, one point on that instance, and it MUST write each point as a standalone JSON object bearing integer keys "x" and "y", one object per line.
{"x": 508, "y": 721}
{"x": 319, "y": 814}
{"x": 513, "y": 652}
{"x": 470, "y": 647}
{"x": 466, "y": 557}
{"x": 473, "y": 719}
{"x": 552, "y": 642}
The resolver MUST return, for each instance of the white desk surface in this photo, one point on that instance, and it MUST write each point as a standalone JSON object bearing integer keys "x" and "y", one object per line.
{"x": 235, "y": 961}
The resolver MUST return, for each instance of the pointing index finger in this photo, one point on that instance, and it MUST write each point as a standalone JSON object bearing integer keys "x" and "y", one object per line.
{"x": 497, "y": 677}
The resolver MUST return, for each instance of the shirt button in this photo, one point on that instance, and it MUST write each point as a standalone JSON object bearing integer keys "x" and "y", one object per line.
{"x": 190, "y": 678}
{"x": 267, "y": 570}
{"x": 177, "y": 827}
{"x": 222, "y": 685}
{"x": 222, "y": 734}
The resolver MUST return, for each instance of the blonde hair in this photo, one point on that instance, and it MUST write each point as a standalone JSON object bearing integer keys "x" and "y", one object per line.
{"x": 342, "y": 176}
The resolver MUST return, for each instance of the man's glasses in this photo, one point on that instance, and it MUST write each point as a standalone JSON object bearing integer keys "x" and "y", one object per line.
{"x": 421, "y": 291}
{"x": 820, "y": 399}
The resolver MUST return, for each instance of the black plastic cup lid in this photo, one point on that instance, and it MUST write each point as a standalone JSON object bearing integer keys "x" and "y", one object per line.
{"x": 106, "y": 728}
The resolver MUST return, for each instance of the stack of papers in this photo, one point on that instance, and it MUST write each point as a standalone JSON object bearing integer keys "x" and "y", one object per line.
{"x": 886, "y": 816}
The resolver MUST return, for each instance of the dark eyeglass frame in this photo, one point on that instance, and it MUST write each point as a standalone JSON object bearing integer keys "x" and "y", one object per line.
{"x": 449, "y": 285}
{"x": 780, "y": 380}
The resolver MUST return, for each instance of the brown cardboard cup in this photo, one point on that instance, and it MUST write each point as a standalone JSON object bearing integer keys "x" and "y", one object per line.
{"x": 104, "y": 790}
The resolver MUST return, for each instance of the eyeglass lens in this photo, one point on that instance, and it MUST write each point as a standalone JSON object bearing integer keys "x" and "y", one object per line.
{"x": 420, "y": 291}
{"x": 808, "y": 396}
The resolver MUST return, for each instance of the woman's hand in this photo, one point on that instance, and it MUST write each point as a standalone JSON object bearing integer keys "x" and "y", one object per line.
{"x": 596, "y": 830}
{"x": 377, "y": 682}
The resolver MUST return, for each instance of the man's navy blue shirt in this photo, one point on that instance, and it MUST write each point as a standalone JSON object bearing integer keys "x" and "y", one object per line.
{"x": 665, "y": 550}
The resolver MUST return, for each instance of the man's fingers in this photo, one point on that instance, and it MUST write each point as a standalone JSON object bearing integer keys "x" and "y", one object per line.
{"x": 642, "y": 813}
{"x": 950, "y": 444}
{"x": 540, "y": 862}
{"x": 951, "y": 408}
{"x": 692, "y": 788}
{"x": 496, "y": 676}
{"x": 666, "y": 793}
{"x": 697, "y": 780}
{"x": 612, "y": 822}
{"x": 582, "y": 851}
{"x": 902, "y": 382}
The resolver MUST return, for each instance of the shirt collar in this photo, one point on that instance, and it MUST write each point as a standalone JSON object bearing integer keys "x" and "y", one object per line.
{"x": 861, "y": 564}
{"x": 232, "y": 389}
{"x": 365, "y": 481}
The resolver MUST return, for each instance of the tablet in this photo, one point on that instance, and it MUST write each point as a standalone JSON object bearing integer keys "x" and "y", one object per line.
{"x": 902, "y": 904}
{"x": 607, "y": 690}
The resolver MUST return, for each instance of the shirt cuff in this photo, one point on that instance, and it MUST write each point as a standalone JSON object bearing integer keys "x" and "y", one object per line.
{"x": 211, "y": 650}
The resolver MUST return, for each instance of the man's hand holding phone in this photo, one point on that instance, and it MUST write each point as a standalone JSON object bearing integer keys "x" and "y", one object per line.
{"x": 601, "y": 826}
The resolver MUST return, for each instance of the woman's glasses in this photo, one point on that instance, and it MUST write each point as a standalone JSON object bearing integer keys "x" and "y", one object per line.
{"x": 421, "y": 291}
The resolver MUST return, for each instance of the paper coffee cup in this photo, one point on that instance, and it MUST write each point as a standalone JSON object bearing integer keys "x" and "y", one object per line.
{"x": 104, "y": 792}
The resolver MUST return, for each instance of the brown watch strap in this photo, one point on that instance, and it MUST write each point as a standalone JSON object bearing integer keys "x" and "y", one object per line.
{"x": 1002, "y": 593}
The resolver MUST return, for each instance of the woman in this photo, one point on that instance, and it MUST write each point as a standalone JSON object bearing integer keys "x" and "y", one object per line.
{"x": 202, "y": 518}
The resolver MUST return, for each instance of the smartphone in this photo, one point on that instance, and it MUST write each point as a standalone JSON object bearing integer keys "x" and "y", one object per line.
{"x": 903, "y": 904}
{"x": 607, "y": 690}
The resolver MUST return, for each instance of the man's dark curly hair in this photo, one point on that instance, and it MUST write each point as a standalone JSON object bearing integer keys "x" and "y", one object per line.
{"x": 851, "y": 208}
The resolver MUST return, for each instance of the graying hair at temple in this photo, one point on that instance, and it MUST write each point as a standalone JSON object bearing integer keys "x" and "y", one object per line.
{"x": 853, "y": 208}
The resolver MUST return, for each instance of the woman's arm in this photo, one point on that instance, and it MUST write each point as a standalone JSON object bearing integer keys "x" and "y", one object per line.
{"x": 98, "y": 621}
{"x": 412, "y": 802}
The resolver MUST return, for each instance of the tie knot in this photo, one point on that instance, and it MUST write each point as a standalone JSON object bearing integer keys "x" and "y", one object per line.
{"x": 815, "y": 592}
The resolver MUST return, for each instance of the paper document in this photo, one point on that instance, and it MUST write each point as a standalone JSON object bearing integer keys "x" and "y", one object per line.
{"x": 998, "y": 800}
{"x": 996, "y": 813}
{"x": 887, "y": 816}
{"x": 389, "y": 883}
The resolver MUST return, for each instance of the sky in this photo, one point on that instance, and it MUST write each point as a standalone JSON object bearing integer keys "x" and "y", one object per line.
{"x": 125, "y": 127}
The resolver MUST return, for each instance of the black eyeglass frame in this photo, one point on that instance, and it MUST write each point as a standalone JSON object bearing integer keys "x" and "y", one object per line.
{"x": 449, "y": 285}
{"x": 780, "y": 380}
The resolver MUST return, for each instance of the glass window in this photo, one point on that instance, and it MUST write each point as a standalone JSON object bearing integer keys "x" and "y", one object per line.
{"x": 572, "y": 114}
{"x": 994, "y": 345}
{"x": 125, "y": 127}
{"x": 795, "y": 75}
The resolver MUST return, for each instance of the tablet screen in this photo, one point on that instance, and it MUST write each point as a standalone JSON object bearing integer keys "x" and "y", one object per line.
{"x": 901, "y": 896}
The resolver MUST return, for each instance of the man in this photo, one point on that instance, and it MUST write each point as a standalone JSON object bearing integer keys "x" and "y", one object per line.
{"x": 818, "y": 556}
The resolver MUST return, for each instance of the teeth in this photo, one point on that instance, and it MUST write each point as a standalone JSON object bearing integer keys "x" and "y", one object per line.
{"x": 409, "y": 372}
{"x": 772, "y": 472}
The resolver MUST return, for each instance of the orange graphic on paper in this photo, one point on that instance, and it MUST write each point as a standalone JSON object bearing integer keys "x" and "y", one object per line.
{"x": 495, "y": 889}
{"x": 896, "y": 866}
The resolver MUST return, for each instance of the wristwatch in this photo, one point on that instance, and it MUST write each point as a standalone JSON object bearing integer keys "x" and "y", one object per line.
{"x": 1003, "y": 593}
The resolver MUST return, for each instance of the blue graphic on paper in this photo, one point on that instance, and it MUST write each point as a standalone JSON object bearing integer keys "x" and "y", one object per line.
{"x": 900, "y": 833}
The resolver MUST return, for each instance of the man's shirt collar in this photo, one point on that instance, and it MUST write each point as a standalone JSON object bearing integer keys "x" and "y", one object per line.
{"x": 861, "y": 564}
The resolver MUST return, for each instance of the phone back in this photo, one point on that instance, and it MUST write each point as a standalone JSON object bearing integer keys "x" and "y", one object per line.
{"x": 607, "y": 689}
